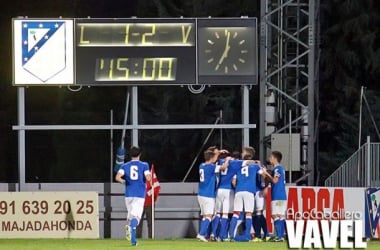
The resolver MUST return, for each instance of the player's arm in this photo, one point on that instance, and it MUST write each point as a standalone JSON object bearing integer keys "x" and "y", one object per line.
{"x": 249, "y": 162}
{"x": 119, "y": 176}
{"x": 147, "y": 174}
{"x": 274, "y": 179}
{"x": 225, "y": 164}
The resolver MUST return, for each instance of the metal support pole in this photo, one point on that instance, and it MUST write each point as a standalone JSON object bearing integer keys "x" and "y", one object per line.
{"x": 245, "y": 115}
{"x": 21, "y": 138}
{"x": 311, "y": 81}
{"x": 153, "y": 206}
{"x": 368, "y": 161}
{"x": 290, "y": 147}
{"x": 360, "y": 130}
{"x": 111, "y": 146}
{"x": 135, "y": 117}
{"x": 107, "y": 187}
{"x": 360, "y": 117}
{"x": 221, "y": 129}
{"x": 263, "y": 74}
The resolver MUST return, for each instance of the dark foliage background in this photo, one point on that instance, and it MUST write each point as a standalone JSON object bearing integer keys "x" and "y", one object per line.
{"x": 350, "y": 57}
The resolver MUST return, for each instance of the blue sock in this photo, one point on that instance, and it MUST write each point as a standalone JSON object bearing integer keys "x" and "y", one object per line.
{"x": 223, "y": 228}
{"x": 134, "y": 224}
{"x": 263, "y": 224}
{"x": 282, "y": 227}
{"x": 215, "y": 225}
{"x": 277, "y": 227}
{"x": 233, "y": 226}
{"x": 204, "y": 226}
{"x": 248, "y": 226}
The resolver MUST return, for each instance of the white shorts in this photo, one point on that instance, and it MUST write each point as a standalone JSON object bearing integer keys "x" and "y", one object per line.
{"x": 259, "y": 201}
{"x": 135, "y": 207}
{"x": 278, "y": 207}
{"x": 206, "y": 204}
{"x": 244, "y": 201}
{"x": 225, "y": 201}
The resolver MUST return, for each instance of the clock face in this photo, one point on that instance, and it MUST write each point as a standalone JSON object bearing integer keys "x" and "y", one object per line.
{"x": 226, "y": 51}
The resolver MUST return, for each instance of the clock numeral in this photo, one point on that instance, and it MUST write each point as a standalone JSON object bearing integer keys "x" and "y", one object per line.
{"x": 235, "y": 67}
{"x": 241, "y": 42}
{"x": 120, "y": 68}
{"x": 210, "y": 42}
{"x": 140, "y": 69}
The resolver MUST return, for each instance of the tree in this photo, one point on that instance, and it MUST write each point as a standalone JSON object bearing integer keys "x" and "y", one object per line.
{"x": 349, "y": 59}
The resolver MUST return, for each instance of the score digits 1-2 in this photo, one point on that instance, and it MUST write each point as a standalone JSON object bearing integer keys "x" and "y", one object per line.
{"x": 136, "y": 34}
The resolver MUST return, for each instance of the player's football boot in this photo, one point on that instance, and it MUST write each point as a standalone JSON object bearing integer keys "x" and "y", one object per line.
{"x": 128, "y": 232}
{"x": 202, "y": 238}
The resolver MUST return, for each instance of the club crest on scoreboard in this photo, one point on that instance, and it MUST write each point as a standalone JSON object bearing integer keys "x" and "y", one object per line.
{"x": 43, "y": 52}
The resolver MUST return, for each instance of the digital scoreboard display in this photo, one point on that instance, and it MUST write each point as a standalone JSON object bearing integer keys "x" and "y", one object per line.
{"x": 135, "y": 51}
{"x": 143, "y": 51}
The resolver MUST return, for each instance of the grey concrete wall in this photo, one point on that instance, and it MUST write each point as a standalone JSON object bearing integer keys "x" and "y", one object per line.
{"x": 177, "y": 210}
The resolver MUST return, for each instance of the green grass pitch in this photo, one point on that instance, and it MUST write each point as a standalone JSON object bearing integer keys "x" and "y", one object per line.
{"x": 110, "y": 244}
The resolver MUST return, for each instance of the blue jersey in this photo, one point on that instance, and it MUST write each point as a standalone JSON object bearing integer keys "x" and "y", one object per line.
{"x": 278, "y": 189}
{"x": 207, "y": 180}
{"x": 134, "y": 175}
{"x": 228, "y": 174}
{"x": 246, "y": 178}
{"x": 260, "y": 183}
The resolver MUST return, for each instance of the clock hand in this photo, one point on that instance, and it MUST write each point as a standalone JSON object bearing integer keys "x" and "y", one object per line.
{"x": 226, "y": 49}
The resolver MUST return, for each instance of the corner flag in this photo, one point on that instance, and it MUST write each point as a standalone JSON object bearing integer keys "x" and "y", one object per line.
{"x": 152, "y": 191}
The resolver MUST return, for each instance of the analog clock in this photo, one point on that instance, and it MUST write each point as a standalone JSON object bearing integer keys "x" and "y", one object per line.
{"x": 226, "y": 51}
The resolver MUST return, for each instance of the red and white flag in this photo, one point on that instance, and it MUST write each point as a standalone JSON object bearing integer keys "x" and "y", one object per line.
{"x": 152, "y": 189}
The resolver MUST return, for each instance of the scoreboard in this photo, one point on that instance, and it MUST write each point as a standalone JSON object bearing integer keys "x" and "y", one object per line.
{"x": 134, "y": 51}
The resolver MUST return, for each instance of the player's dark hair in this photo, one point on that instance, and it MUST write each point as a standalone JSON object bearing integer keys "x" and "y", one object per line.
{"x": 277, "y": 155}
{"x": 250, "y": 153}
{"x": 135, "y": 151}
{"x": 236, "y": 154}
{"x": 208, "y": 154}
{"x": 223, "y": 155}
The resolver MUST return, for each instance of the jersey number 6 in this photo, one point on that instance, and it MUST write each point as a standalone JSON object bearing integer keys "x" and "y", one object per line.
{"x": 134, "y": 175}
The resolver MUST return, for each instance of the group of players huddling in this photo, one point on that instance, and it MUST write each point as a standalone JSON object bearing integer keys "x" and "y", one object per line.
{"x": 228, "y": 186}
{"x": 232, "y": 190}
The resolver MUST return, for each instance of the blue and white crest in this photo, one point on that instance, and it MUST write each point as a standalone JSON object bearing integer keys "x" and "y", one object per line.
{"x": 43, "y": 48}
{"x": 372, "y": 211}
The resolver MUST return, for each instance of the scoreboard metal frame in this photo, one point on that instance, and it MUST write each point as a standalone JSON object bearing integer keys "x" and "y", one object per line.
{"x": 134, "y": 51}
